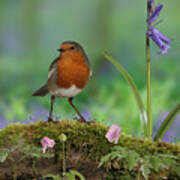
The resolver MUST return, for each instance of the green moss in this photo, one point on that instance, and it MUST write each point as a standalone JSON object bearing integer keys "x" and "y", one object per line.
{"x": 86, "y": 138}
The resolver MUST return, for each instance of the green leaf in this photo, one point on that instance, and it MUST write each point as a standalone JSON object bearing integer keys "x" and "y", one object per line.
{"x": 139, "y": 101}
{"x": 55, "y": 177}
{"x": 77, "y": 174}
{"x": 3, "y": 155}
{"x": 167, "y": 123}
{"x": 35, "y": 152}
{"x": 145, "y": 169}
{"x": 168, "y": 156}
{"x": 72, "y": 174}
{"x": 155, "y": 163}
{"x": 13, "y": 148}
{"x": 108, "y": 157}
{"x": 132, "y": 160}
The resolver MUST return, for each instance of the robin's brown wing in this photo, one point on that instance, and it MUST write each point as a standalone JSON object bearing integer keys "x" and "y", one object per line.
{"x": 54, "y": 63}
{"x": 44, "y": 90}
{"x": 53, "y": 68}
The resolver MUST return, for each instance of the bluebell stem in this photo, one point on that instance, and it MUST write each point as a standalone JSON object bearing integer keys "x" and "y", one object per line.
{"x": 150, "y": 10}
{"x": 162, "y": 42}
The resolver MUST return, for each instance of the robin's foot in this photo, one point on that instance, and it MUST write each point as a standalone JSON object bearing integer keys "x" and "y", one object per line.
{"x": 50, "y": 119}
{"x": 83, "y": 120}
{"x": 79, "y": 119}
{"x": 91, "y": 121}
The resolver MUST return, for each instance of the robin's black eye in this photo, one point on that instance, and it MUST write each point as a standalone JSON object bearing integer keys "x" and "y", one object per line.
{"x": 72, "y": 48}
{"x": 61, "y": 50}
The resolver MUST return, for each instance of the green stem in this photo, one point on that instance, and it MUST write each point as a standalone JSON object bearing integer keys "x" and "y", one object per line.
{"x": 14, "y": 168}
{"x": 14, "y": 173}
{"x": 148, "y": 71}
{"x": 34, "y": 166}
{"x": 150, "y": 9}
{"x": 64, "y": 158}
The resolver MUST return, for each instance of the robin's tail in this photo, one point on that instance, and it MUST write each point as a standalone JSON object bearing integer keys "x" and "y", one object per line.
{"x": 41, "y": 92}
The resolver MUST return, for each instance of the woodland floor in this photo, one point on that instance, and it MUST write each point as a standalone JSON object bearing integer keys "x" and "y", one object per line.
{"x": 85, "y": 146}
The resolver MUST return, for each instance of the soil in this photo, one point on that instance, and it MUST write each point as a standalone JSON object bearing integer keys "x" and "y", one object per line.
{"x": 44, "y": 166}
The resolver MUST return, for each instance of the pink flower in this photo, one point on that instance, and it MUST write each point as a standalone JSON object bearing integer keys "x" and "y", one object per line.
{"x": 113, "y": 134}
{"x": 47, "y": 142}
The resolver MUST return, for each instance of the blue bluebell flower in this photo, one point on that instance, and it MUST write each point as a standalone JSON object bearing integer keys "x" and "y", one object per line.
{"x": 154, "y": 15}
{"x": 157, "y": 37}
{"x": 160, "y": 39}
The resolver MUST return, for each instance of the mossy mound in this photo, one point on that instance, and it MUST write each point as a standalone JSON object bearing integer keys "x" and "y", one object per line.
{"x": 85, "y": 146}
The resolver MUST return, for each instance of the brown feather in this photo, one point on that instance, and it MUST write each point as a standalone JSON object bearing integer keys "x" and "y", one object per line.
{"x": 54, "y": 63}
{"x": 41, "y": 92}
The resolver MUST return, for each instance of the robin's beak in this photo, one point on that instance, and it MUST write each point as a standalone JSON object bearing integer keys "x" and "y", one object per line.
{"x": 61, "y": 50}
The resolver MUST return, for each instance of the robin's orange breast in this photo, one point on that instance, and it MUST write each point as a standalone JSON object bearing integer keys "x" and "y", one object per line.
{"x": 72, "y": 70}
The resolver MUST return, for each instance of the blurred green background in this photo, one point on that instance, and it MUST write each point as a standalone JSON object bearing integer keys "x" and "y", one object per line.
{"x": 31, "y": 32}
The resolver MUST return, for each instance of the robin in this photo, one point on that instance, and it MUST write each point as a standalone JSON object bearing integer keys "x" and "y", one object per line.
{"x": 68, "y": 75}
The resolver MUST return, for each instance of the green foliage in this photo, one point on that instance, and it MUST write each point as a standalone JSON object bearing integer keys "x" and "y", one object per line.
{"x": 55, "y": 177}
{"x": 27, "y": 150}
{"x": 132, "y": 84}
{"x": 3, "y": 154}
{"x": 35, "y": 152}
{"x": 91, "y": 137}
{"x": 130, "y": 158}
{"x": 71, "y": 175}
{"x": 145, "y": 164}
{"x": 16, "y": 109}
{"x": 143, "y": 116}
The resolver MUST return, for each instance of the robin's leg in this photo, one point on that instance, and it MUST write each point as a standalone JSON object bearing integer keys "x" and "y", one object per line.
{"x": 50, "y": 119}
{"x": 82, "y": 118}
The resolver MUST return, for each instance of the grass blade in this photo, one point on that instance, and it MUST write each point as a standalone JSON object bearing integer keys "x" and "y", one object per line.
{"x": 139, "y": 101}
{"x": 167, "y": 123}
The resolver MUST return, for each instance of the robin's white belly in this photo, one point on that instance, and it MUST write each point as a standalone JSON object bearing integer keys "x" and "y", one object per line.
{"x": 66, "y": 92}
